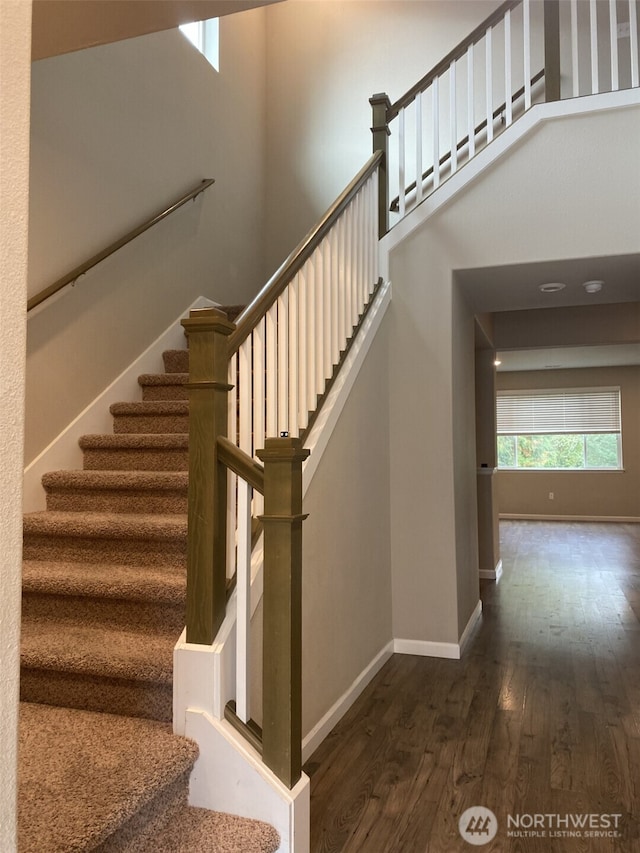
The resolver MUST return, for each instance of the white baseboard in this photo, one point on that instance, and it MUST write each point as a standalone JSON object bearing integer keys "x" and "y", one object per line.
{"x": 492, "y": 574}
{"x": 333, "y": 716}
{"x": 64, "y": 451}
{"x": 431, "y": 649}
{"x": 614, "y": 519}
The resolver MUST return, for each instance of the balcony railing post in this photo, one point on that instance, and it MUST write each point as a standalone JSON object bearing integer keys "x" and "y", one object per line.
{"x": 552, "y": 50}
{"x": 380, "y": 129}
{"x": 282, "y": 607}
{"x": 207, "y": 330}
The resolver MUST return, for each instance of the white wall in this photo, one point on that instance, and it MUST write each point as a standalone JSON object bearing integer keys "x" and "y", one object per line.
{"x": 325, "y": 59}
{"x": 15, "y": 59}
{"x": 118, "y": 132}
{"x": 569, "y": 190}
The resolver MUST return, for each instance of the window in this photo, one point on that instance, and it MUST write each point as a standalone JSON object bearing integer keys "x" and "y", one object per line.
{"x": 561, "y": 429}
{"x": 205, "y": 37}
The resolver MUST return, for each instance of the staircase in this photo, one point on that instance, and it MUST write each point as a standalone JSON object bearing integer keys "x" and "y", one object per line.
{"x": 103, "y": 605}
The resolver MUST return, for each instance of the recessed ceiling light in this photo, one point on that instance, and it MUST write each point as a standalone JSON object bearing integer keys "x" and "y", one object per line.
{"x": 552, "y": 287}
{"x": 594, "y": 286}
{"x": 497, "y": 362}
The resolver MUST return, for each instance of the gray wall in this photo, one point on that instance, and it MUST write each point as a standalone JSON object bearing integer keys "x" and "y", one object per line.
{"x": 347, "y": 558}
{"x": 600, "y": 494}
{"x": 118, "y": 132}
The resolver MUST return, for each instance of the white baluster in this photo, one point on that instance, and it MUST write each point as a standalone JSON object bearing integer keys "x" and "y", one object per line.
{"x": 453, "y": 117}
{"x": 283, "y": 361}
{"x": 244, "y": 392}
{"x": 508, "y": 85}
{"x": 418, "y": 103}
{"x": 243, "y": 601}
{"x": 311, "y": 333}
{"x": 633, "y": 27}
{"x": 575, "y": 56}
{"x": 401, "y": 169}
{"x": 374, "y": 231}
{"x": 232, "y": 432}
{"x": 258, "y": 386}
{"x": 489, "y": 82}
{"x": 259, "y": 352}
{"x": 613, "y": 32}
{"x": 272, "y": 371}
{"x": 327, "y": 311}
{"x": 301, "y": 418}
{"x": 526, "y": 35}
{"x": 294, "y": 382}
{"x": 320, "y": 321}
{"x": 435, "y": 96}
{"x": 342, "y": 288}
{"x": 335, "y": 293}
{"x": 593, "y": 24}
{"x": 471, "y": 121}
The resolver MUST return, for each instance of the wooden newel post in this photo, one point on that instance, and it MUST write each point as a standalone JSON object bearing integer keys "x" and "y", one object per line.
{"x": 551, "y": 50}
{"x": 208, "y": 330}
{"x": 380, "y": 129}
{"x": 282, "y": 607}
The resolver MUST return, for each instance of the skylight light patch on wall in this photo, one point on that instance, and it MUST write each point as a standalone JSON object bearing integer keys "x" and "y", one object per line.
{"x": 205, "y": 37}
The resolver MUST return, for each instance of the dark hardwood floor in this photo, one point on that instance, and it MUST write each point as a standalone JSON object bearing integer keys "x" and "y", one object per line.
{"x": 540, "y": 717}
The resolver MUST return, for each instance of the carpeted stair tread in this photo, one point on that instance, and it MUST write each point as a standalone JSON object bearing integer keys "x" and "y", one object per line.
{"x": 152, "y": 441}
{"x": 98, "y": 651}
{"x": 163, "y": 378}
{"x": 117, "y": 491}
{"x": 102, "y": 580}
{"x": 197, "y": 830}
{"x": 106, "y": 525}
{"x": 121, "y": 480}
{"x": 154, "y": 407}
{"x": 83, "y": 774}
{"x": 151, "y": 416}
{"x": 164, "y": 386}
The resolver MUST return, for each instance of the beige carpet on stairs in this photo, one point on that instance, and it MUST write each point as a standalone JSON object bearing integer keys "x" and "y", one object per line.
{"x": 103, "y": 605}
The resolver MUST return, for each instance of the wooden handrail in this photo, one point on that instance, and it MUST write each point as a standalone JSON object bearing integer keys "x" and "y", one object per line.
{"x": 241, "y": 464}
{"x": 118, "y": 244}
{"x": 456, "y": 53}
{"x": 395, "y": 204}
{"x": 254, "y": 312}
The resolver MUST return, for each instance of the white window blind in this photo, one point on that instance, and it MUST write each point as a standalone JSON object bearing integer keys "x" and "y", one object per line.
{"x": 593, "y": 410}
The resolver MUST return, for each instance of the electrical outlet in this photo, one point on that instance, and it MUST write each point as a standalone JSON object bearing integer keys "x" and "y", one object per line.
{"x": 624, "y": 31}
{"x": 551, "y": 496}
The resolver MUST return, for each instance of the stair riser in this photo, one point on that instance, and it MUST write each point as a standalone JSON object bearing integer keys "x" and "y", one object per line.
{"x": 151, "y": 424}
{"x": 149, "y": 824}
{"x": 136, "y": 460}
{"x": 117, "y": 500}
{"x": 144, "y": 552}
{"x": 155, "y": 393}
{"x": 132, "y": 616}
{"x": 91, "y": 693}
{"x": 176, "y": 361}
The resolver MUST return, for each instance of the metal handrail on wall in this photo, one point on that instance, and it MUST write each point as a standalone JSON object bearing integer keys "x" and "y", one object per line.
{"x": 94, "y": 260}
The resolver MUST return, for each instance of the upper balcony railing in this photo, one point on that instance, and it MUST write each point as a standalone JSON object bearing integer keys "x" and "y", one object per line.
{"x": 527, "y": 51}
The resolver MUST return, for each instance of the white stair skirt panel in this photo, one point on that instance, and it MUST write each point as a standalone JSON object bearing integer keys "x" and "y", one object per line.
{"x": 492, "y": 574}
{"x": 229, "y": 776}
{"x": 430, "y": 649}
{"x": 64, "y": 451}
